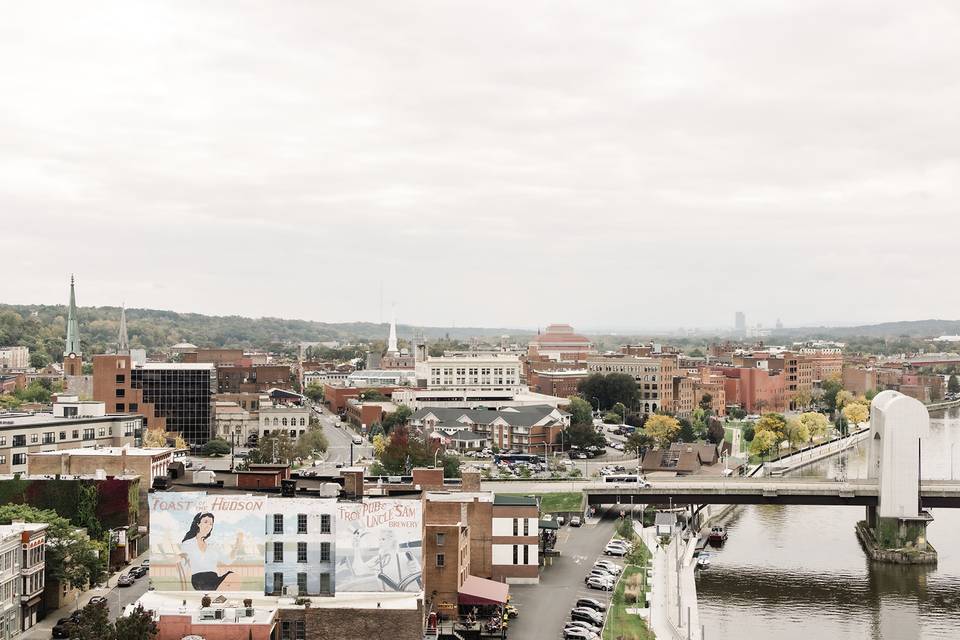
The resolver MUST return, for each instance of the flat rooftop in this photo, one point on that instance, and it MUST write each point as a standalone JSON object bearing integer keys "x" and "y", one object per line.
{"x": 459, "y": 496}
{"x": 107, "y": 451}
{"x": 40, "y": 419}
{"x": 171, "y": 602}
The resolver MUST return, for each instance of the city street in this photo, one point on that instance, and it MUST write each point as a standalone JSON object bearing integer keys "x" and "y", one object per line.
{"x": 117, "y": 598}
{"x": 340, "y": 440}
{"x": 544, "y": 608}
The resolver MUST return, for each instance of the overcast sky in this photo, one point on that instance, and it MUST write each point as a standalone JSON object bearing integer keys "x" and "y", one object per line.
{"x": 612, "y": 165}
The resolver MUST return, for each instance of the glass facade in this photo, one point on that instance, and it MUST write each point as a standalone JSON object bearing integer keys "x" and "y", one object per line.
{"x": 184, "y": 396}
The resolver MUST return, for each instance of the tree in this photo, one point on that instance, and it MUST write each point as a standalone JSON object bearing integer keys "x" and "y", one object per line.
{"x": 154, "y": 438}
{"x": 749, "y": 433}
{"x": 580, "y": 411}
{"x": 736, "y": 413}
{"x": 715, "y": 430}
{"x": 763, "y": 442}
{"x": 621, "y": 410}
{"x": 612, "y": 418}
{"x": 314, "y": 391}
{"x": 94, "y": 624}
{"x": 583, "y": 435}
{"x": 380, "y": 442}
{"x": 830, "y": 387}
{"x": 687, "y": 433}
{"x": 953, "y": 385}
{"x": 451, "y": 465}
{"x": 396, "y": 418}
{"x": 802, "y": 399}
{"x": 663, "y": 429}
{"x": 706, "y": 401}
{"x": 817, "y": 424}
{"x": 139, "y": 625}
{"x": 180, "y": 443}
{"x": 638, "y": 441}
{"x": 843, "y": 398}
{"x": 215, "y": 447}
{"x": 71, "y": 556}
{"x": 609, "y": 389}
{"x": 856, "y": 412}
{"x": 39, "y": 359}
{"x": 775, "y": 423}
{"x": 313, "y": 440}
{"x": 275, "y": 447}
{"x": 797, "y": 432}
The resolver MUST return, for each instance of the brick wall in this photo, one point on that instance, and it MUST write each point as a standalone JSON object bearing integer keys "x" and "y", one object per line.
{"x": 355, "y": 624}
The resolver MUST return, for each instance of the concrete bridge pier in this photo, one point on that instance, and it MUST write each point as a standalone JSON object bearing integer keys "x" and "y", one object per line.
{"x": 896, "y": 529}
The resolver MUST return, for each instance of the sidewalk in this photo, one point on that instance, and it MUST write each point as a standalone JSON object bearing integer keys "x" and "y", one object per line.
{"x": 43, "y": 628}
{"x": 667, "y": 612}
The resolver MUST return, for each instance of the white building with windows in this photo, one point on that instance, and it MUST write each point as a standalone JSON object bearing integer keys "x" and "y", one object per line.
{"x": 472, "y": 371}
{"x": 14, "y": 357}
{"x": 32, "y": 537}
{"x": 300, "y": 550}
{"x": 10, "y": 585}
{"x": 292, "y": 418}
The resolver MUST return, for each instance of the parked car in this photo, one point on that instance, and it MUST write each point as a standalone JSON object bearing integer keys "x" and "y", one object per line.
{"x": 97, "y": 600}
{"x": 60, "y": 630}
{"x": 599, "y": 573}
{"x": 138, "y": 572}
{"x": 582, "y": 624}
{"x": 603, "y": 584}
{"x": 611, "y": 567}
{"x": 126, "y": 580}
{"x": 576, "y": 521}
{"x": 587, "y": 615}
{"x": 578, "y": 633}
{"x": 560, "y": 520}
{"x": 615, "y": 550}
{"x": 145, "y": 563}
{"x": 591, "y": 603}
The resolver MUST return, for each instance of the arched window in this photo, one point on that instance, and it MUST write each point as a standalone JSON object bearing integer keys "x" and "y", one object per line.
{"x": 284, "y": 422}
{"x": 276, "y": 422}
{"x": 303, "y": 421}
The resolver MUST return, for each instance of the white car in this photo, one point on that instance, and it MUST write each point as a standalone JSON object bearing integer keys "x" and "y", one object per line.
{"x": 587, "y": 615}
{"x": 608, "y": 566}
{"x": 578, "y": 633}
{"x": 615, "y": 550}
{"x": 582, "y": 625}
{"x": 599, "y": 573}
{"x": 604, "y": 584}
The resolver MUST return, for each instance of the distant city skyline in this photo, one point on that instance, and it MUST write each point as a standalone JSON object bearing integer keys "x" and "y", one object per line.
{"x": 487, "y": 164}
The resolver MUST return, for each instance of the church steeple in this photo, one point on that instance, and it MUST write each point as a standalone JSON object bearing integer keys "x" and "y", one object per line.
{"x": 123, "y": 343}
{"x": 392, "y": 340}
{"x": 72, "y": 365}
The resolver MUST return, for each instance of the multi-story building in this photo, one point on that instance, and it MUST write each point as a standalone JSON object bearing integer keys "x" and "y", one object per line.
{"x": 174, "y": 397}
{"x": 472, "y": 371}
{"x": 253, "y": 378}
{"x": 14, "y": 357}
{"x": 292, "y": 418}
{"x": 559, "y": 343}
{"x": 799, "y": 379}
{"x": 683, "y": 397}
{"x": 10, "y": 585}
{"x": 755, "y": 389}
{"x": 446, "y": 549}
{"x": 654, "y": 375}
{"x": 707, "y": 382}
{"x": 147, "y": 462}
{"x": 534, "y": 429}
{"x": 561, "y": 383}
{"x": 33, "y": 550}
{"x": 300, "y": 550}
{"x": 516, "y": 539}
{"x": 72, "y": 423}
{"x": 231, "y": 421}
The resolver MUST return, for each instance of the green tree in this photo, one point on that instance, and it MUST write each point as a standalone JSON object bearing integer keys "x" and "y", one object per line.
{"x": 94, "y": 624}
{"x": 39, "y": 359}
{"x": 313, "y": 440}
{"x": 953, "y": 385}
{"x": 215, "y": 447}
{"x": 314, "y": 391}
{"x": 638, "y": 442}
{"x": 856, "y": 412}
{"x": 774, "y": 422}
{"x": 70, "y": 555}
{"x": 580, "y": 411}
{"x": 830, "y": 387}
{"x": 583, "y": 435}
{"x": 663, "y": 429}
{"x": 275, "y": 447}
{"x": 397, "y": 418}
{"x": 817, "y": 424}
{"x": 621, "y": 410}
{"x": 451, "y": 465}
{"x": 797, "y": 432}
{"x": 609, "y": 389}
{"x": 139, "y": 625}
{"x": 687, "y": 434}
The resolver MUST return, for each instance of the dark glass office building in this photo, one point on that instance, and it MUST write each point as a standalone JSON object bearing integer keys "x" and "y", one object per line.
{"x": 182, "y": 394}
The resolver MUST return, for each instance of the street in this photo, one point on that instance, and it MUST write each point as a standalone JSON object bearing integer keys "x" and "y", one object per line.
{"x": 545, "y": 608}
{"x": 117, "y": 598}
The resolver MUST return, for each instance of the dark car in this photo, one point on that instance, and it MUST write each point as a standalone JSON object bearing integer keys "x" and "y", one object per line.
{"x": 138, "y": 572}
{"x": 592, "y": 603}
{"x": 97, "y": 600}
{"x": 60, "y": 630}
{"x": 126, "y": 580}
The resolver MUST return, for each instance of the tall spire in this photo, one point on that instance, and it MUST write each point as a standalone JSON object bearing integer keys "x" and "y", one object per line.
{"x": 123, "y": 343}
{"x": 73, "y": 325}
{"x": 392, "y": 341}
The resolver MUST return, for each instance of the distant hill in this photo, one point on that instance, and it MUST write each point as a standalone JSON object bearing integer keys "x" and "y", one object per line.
{"x": 909, "y": 328}
{"x": 43, "y": 329}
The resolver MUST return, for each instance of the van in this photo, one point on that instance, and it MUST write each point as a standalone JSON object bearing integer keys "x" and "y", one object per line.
{"x": 357, "y": 440}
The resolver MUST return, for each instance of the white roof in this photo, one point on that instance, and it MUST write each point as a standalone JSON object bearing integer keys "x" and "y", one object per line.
{"x": 107, "y": 451}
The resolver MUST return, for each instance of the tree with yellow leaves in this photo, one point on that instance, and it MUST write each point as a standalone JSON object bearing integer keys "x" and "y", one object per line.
{"x": 856, "y": 413}
{"x": 663, "y": 429}
{"x": 380, "y": 443}
{"x": 154, "y": 438}
{"x": 180, "y": 443}
{"x": 844, "y": 398}
{"x": 763, "y": 443}
{"x": 817, "y": 424}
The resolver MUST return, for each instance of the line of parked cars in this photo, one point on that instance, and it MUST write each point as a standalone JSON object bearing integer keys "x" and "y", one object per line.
{"x": 617, "y": 548}
{"x": 586, "y": 620}
{"x": 131, "y": 576}
{"x": 62, "y": 628}
{"x": 603, "y": 575}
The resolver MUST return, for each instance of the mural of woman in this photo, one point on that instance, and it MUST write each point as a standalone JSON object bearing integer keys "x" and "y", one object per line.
{"x": 202, "y": 556}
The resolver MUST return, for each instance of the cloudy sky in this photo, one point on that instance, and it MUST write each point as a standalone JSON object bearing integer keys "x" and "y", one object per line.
{"x": 622, "y": 164}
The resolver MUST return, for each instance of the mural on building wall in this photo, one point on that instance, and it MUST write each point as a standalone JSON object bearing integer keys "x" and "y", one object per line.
{"x": 379, "y": 546}
{"x": 207, "y": 543}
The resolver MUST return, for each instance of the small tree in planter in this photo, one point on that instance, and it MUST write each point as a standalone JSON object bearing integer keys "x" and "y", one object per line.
{"x": 205, "y": 601}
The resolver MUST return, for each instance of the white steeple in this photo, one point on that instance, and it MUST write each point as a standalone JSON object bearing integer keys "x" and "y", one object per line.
{"x": 392, "y": 349}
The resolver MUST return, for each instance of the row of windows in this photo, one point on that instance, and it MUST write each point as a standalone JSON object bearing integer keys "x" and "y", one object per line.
{"x": 302, "y": 523}
{"x": 473, "y": 371}
{"x": 301, "y": 552}
{"x": 283, "y": 422}
{"x": 295, "y": 630}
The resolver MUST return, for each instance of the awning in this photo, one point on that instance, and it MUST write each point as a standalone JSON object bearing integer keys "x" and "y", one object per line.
{"x": 482, "y": 591}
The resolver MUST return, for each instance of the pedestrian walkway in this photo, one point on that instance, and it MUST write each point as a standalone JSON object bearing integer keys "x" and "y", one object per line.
{"x": 42, "y": 630}
{"x": 673, "y": 603}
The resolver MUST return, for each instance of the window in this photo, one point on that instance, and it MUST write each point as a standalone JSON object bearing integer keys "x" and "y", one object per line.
{"x": 302, "y": 583}
{"x": 285, "y": 630}
{"x": 121, "y": 378}
{"x": 440, "y": 560}
{"x": 88, "y": 434}
{"x": 276, "y": 422}
{"x": 277, "y": 582}
{"x": 63, "y": 435}
{"x": 440, "y": 539}
{"x": 301, "y": 523}
{"x": 120, "y": 407}
{"x": 300, "y": 629}
{"x": 514, "y": 554}
{"x": 278, "y": 552}
{"x": 325, "y": 523}
{"x": 101, "y": 432}
{"x": 3, "y": 441}
{"x": 34, "y": 438}
{"x": 70, "y": 412}
{"x": 303, "y": 422}
{"x": 120, "y": 393}
{"x": 302, "y": 552}
{"x": 49, "y": 437}
{"x": 324, "y": 552}
{"x": 516, "y": 528}
{"x": 526, "y": 526}
{"x": 324, "y": 583}
{"x": 293, "y": 433}
{"x": 19, "y": 458}
{"x": 76, "y": 434}
{"x": 3, "y": 459}
{"x": 284, "y": 422}
{"x": 526, "y": 554}
{"x": 278, "y": 523}
{"x": 133, "y": 407}
{"x": 121, "y": 364}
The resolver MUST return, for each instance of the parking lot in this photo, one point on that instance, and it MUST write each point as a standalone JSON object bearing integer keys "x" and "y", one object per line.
{"x": 545, "y": 608}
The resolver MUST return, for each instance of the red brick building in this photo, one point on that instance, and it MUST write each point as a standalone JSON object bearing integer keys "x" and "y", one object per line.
{"x": 755, "y": 390}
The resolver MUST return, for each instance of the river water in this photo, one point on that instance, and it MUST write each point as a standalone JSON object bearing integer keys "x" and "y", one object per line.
{"x": 798, "y": 572}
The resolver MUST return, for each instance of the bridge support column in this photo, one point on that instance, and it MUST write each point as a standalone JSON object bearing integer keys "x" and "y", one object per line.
{"x": 897, "y": 540}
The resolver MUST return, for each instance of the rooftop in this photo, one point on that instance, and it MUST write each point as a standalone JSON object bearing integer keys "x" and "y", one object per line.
{"x": 502, "y": 500}
{"x": 38, "y": 419}
{"x": 107, "y": 451}
{"x": 459, "y": 496}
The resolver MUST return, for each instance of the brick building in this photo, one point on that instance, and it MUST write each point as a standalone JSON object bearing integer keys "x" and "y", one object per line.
{"x": 683, "y": 396}
{"x": 654, "y": 375}
{"x": 561, "y": 383}
{"x": 516, "y": 539}
{"x": 755, "y": 389}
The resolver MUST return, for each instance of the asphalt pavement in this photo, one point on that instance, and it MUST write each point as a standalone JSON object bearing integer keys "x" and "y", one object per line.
{"x": 545, "y": 608}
